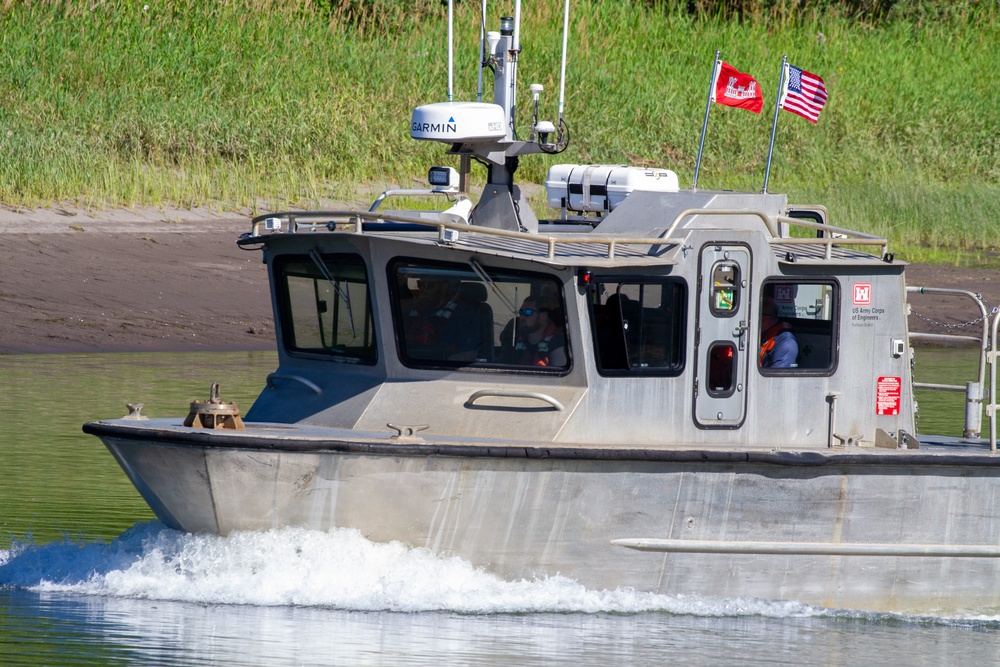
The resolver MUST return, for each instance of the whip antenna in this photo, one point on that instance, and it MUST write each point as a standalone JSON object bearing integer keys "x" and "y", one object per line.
{"x": 451, "y": 46}
{"x": 482, "y": 53}
{"x": 562, "y": 73}
{"x": 515, "y": 50}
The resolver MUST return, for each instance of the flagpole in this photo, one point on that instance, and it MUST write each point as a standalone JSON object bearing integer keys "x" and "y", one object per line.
{"x": 774, "y": 124}
{"x": 704, "y": 124}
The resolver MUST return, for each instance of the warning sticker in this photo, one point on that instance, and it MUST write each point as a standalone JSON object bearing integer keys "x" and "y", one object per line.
{"x": 887, "y": 396}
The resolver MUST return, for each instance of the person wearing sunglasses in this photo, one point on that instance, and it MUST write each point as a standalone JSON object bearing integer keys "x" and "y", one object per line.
{"x": 535, "y": 337}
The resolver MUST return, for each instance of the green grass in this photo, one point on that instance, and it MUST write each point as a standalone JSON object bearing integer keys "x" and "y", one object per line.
{"x": 253, "y": 103}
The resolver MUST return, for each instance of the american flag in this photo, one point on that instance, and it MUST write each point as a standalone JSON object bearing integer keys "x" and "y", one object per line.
{"x": 804, "y": 93}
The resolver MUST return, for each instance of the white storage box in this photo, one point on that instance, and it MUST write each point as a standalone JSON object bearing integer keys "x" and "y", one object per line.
{"x": 600, "y": 188}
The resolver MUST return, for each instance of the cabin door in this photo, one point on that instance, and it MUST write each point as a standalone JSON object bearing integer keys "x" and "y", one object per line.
{"x": 722, "y": 341}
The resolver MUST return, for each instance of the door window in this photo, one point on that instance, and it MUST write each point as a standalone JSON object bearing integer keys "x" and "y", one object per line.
{"x": 721, "y": 369}
{"x": 725, "y": 292}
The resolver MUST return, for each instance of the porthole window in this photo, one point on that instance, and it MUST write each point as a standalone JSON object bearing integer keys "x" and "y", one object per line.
{"x": 725, "y": 292}
{"x": 721, "y": 369}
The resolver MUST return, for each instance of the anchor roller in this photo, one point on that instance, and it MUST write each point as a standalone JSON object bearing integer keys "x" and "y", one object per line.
{"x": 214, "y": 414}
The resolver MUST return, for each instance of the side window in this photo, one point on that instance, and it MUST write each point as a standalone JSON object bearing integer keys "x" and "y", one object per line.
{"x": 639, "y": 327}
{"x": 325, "y": 306}
{"x": 454, "y": 315}
{"x": 798, "y": 328}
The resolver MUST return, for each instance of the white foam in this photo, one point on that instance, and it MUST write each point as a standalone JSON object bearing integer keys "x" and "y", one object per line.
{"x": 338, "y": 569}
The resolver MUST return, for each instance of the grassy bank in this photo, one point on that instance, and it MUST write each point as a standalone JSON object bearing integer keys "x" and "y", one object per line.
{"x": 289, "y": 104}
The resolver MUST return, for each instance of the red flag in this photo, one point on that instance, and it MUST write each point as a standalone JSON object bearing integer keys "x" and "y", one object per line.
{"x": 804, "y": 93}
{"x": 736, "y": 89}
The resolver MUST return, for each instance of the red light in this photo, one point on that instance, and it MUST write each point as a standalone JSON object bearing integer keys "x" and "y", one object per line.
{"x": 586, "y": 277}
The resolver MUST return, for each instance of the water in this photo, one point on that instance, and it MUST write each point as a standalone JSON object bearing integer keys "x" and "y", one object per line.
{"x": 88, "y": 577}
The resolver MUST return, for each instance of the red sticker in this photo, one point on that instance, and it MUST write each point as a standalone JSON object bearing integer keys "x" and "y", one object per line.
{"x": 862, "y": 294}
{"x": 887, "y": 396}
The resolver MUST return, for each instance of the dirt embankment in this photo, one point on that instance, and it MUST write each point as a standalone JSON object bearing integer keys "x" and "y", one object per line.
{"x": 176, "y": 280}
{"x": 129, "y": 281}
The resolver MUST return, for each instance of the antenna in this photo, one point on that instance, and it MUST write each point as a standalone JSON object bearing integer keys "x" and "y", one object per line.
{"x": 482, "y": 52}
{"x": 451, "y": 45}
{"x": 562, "y": 74}
{"x": 515, "y": 49}
{"x": 536, "y": 90}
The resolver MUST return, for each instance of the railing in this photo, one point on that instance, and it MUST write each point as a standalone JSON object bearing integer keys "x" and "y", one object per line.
{"x": 448, "y": 232}
{"x": 828, "y": 240}
{"x": 355, "y": 221}
{"x": 974, "y": 399}
{"x": 846, "y": 236}
{"x": 991, "y": 407}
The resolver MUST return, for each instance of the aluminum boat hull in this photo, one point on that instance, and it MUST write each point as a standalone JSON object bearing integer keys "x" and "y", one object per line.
{"x": 884, "y": 530}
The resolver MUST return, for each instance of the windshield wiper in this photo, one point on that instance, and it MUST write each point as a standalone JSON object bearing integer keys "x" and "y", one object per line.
{"x": 485, "y": 277}
{"x": 341, "y": 292}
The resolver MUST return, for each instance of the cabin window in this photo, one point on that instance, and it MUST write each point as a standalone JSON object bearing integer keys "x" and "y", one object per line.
{"x": 721, "y": 369}
{"x": 325, "y": 306}
{"x": 639, "y": 326}
{"x": 725, "y": 292}
{"x": 797, "y": 327}
{"x": 469, "y": 315}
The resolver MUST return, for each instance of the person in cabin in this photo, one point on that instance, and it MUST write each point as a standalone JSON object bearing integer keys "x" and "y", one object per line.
{"x": 779, "y": 348}
{"x": 536, "y": 336}
{"x": 430, "y": 327}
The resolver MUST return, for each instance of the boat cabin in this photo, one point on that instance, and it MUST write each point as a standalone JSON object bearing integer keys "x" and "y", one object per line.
{"x": 642, "y": 326}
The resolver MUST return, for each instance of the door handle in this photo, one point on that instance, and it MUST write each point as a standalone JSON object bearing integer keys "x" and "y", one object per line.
{"x": 740, "y": 333}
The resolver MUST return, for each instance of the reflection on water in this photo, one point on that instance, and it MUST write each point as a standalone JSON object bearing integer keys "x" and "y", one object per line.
{"x": 54, "y": 478}
{"x": 87, "y": 577}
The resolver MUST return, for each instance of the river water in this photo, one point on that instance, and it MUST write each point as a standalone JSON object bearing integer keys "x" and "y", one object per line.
{"x": 88, "y": 577}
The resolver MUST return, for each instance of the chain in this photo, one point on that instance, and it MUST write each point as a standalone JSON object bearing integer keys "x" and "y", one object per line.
{"x": 945, "y": 325}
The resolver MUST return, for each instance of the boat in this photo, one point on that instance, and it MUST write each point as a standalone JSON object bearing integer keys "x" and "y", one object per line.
{"x": 607, "y": 393}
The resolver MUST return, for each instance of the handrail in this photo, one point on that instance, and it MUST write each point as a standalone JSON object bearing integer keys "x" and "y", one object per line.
{"x": 719, "y": 211}
{"x": 852, "y": 237}
{"x": 424, "y": 192}
{"x": 544, "y": 398}
{"x": 902, "y": 550}
{"x": 974, "y": 395}
{"x": 330, "y": 220}
{"x": 991, "y": 407}
{"x": 333, "y": 219}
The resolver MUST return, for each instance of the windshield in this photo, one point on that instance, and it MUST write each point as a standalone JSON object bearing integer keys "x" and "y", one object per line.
{"x": 325, "y": 306}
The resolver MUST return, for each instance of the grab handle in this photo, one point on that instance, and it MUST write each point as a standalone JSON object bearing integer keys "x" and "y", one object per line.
{"x": 545, "y": 398}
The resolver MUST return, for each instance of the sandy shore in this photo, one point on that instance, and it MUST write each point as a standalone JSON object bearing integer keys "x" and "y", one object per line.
{"x": 155, "y": 280}
{"x": 130, "y": 280}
